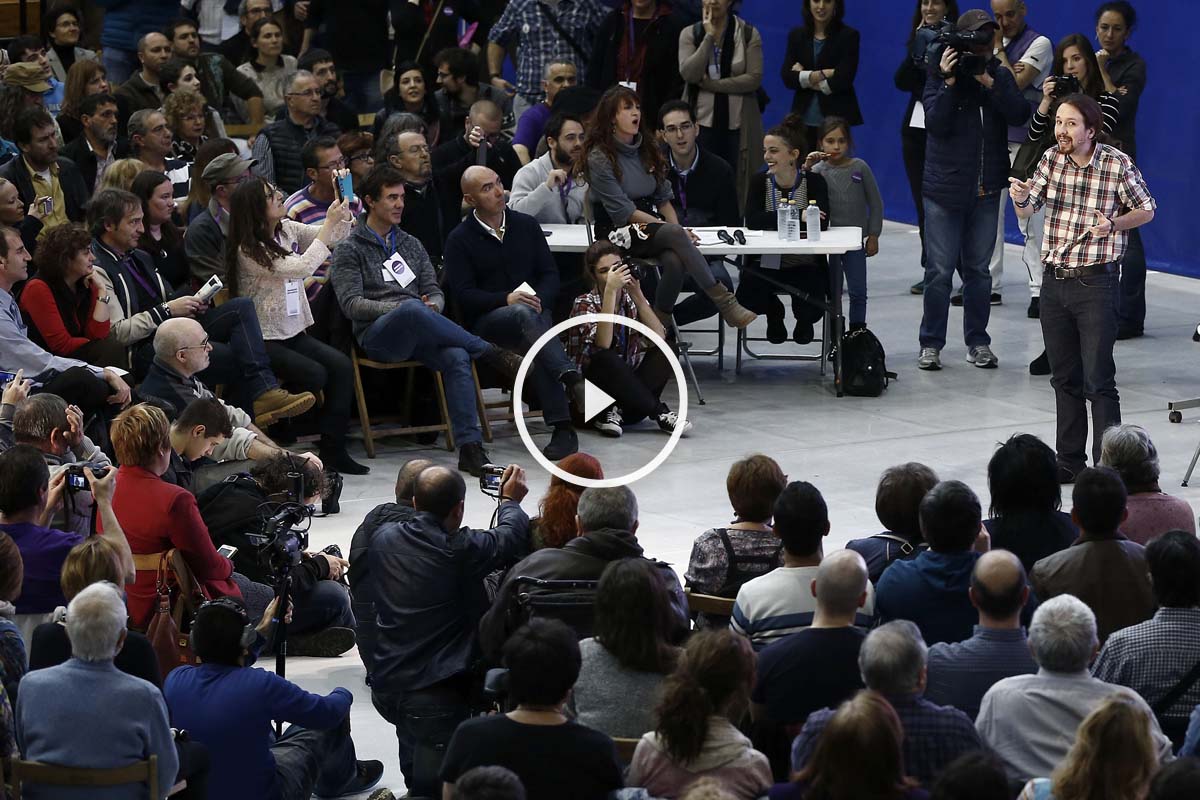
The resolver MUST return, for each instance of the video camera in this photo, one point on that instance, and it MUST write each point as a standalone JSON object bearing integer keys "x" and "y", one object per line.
{"x": 1065, "y": 85}
{"x": 279, "y": 542}
{"x": 931, "y": 42}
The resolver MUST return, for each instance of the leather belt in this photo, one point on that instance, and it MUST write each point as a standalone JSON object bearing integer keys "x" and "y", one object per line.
{"x": 1067, "y": 273}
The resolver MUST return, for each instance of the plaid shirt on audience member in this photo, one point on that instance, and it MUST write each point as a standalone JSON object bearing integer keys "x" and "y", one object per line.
{"x": 1153, "y": 656}
{"x": 525, "y": 27}
{"x": 1108, "y": 183}
{"x": 580, "y": 340}
{"x": 933, "y": 736}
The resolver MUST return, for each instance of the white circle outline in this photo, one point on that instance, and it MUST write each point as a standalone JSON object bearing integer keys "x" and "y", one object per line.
{"x": 645, "y": 469}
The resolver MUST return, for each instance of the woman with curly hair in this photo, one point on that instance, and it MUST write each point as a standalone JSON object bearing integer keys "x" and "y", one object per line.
{"x": 695, "y": 736}
{"x": 1113, "y": 758}
{"x": 625, "y": 167}
{"x": 63, "y": 302}
{"x": 185, "y": 112}
{"x": 555, "y": 524}
{"x": 84, "y": 79}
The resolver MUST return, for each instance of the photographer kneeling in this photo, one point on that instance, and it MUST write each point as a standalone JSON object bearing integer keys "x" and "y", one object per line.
{"x": 238, "y": 511}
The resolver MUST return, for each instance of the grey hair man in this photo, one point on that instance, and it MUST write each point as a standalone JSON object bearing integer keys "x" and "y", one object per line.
{"x": 278, "y": 146}
{"x": 87, "y": 713}
{"x": 1128, "y": 449}
{"x": 606, "y": 525}
{"x": 1029, "y": 721}
{"x": 892, "y": 661}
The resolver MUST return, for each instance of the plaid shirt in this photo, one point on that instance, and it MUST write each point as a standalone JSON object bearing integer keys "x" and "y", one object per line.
{"x": 1107, "y": 183}
{"x": 580, "y": 340}
{"x": 1152, "y": 657}
{"x": 933, "y": 736}
{"x": 524, "y": 26}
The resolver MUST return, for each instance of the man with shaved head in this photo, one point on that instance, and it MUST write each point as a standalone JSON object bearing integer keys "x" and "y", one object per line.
{"x": 505, "y": 280}
{"x": 816, "y": 667}
{"x": 142, "y": 89}
{"x": 481, "y": 143}
{"x": 429, "y": 574}
{"x": 961, "y": 673}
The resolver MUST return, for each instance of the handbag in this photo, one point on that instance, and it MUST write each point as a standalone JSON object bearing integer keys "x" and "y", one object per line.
{"x": 178, "y": 598}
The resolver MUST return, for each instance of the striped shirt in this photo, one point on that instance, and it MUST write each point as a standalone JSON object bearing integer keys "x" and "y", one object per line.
{"x": 781, "y": 602}
{"x": 1108, "y": 183}
{"x": 180, "y": 174}
{"x": 1110, "y": 115}
{"x": 303, "y": 207}
{"x": 960, "y": 673}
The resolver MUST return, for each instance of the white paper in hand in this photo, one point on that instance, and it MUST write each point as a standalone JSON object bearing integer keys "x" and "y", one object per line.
{"x": 526, "y": 288}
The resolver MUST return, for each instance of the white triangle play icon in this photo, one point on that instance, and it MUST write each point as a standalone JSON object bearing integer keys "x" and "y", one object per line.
{"x": 595, "y": 400}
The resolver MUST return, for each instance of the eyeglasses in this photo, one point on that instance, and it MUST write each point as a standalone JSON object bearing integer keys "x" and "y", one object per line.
{"x": 339, "y": 164}
{"x": 273, "y": 191}
{"x": 367, "y": 157}
{"x": 202, "y": 346}
{"x": 671, "y": 130}
{"x": 309, "y": 93}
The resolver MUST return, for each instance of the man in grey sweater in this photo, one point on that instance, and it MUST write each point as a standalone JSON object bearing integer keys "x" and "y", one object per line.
{"x": 388, "y": 289}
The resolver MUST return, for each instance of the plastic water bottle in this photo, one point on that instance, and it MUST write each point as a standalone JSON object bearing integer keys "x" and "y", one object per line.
{"x": 782, "y": 216}
{"x": 812, "y": 221}
{"x": 793, "y": 222}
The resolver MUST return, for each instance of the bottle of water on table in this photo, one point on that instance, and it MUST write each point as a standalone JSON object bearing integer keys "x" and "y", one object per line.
{"x": 812, "y": 221}
{"x": 782, "y": 215}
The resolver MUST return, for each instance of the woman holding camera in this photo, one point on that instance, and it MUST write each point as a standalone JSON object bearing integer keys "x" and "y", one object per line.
{"x": 617, "y": 359}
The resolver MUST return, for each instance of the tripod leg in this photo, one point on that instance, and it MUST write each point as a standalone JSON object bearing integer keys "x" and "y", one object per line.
{"x": 1188, "y": 475}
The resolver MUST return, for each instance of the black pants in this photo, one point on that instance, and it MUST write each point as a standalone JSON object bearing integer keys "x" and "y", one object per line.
{"x": 103, "y": 353}
{"x": 636, "y": 391}
{"x": 425, "y": 720}
{"x": 1132, "y": 312}
{"x": 194, "y": 764}
{"x": 308, "y": 365}
{"x": 763, "y": 298}
{"x": 912, "y": 146}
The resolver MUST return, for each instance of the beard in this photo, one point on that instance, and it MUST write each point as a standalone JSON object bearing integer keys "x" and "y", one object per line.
{"x": 1066, "y": 147}
{"x": 561, "y": 157}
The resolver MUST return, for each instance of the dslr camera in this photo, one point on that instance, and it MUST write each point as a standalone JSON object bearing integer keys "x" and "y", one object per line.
{"x": 489, "y": 479}
{"x": 637, "y": 271}
{"x": 931, "y": 42}
{"x": 1065, "y": 85}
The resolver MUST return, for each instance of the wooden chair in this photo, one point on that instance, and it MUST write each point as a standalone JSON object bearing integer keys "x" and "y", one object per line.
{"x": 625, "y": 748}
{"x": 358, "y": 362}
{"x": 53, "y": 775}
{"x": 708, "y": 604}
{"x": 242, "y": 131}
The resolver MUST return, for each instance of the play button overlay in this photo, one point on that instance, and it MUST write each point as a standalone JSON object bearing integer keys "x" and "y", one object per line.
{"x": 595, "y": 400}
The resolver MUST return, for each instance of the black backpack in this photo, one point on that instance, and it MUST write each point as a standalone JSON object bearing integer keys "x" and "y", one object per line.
{"x": 864, "y": 364}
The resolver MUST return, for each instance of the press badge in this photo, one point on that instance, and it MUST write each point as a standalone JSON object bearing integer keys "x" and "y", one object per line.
{"x": 714, "y": 71}
{"x": 291, "y": 295}
{"x": 396, "y": 269}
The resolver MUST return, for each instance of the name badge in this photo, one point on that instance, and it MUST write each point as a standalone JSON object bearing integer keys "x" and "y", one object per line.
{"x": 291, "y": 296}
{"x": 714, "y": 71}
{"x": 397, "y": 269}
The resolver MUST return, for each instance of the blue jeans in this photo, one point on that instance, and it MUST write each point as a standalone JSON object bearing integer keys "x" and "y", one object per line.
{"x": 1079, "y": 325}
{"x": 119, "y": 65}
{"x": 308, "y": 761}
{"x": 517, "y": 327}
{"x": 968, "y": 233}
{"x": 412, "y": 330}
{"x": 327, "y": 605}
{"x": 242, "y": 365}
{"x": 854, "y": 267}
{"x": 362, "y": 91}
{"x": 425, "y": 720}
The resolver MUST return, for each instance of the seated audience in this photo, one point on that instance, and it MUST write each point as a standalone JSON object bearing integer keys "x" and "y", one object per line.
{"x": 150, "y": 141}
{"x": 892, "y": 661}
{"x": 1024, "y": 517}
{"x": 266, "y": 258}
{"x": 201, "y": 191}
{"x": 1157, "y": 658}
{"x": 269, "y": 67}
{"x": 932, "y": 589}
{"x": 859, "y": 755}
{"x": 608, "y": 522}
{"x": 1030, "y": 720}
{"x": 695, "y": 736}
{"x": 277, "y": 147}
{"x": 546, "y": 188}
{"x": 409, "y": 95}
{"x": 432, "y": 207}
{"x": 62, "y": 29}
{"x": 187, "y": 118}
{"x": 459, "y": 88}
{"x": 177, "y": 75}
{"x": 531, "y": 124}
{"x": 322, "y": 622}
{"x": 121, "y": 173}
{"x": 386, "y": 311}
{"x": 13, "y": 656}
{"x": 960, "y": 673}
{"x": 62, "y": 302}
{"x": 489, "y": 258}
{"x": 83, "y": 81}
{"x": 195, "y": 433}
{"x": 489, "y": 783}
{"x": 780, "y": 602}
{"x": 86, "y": 712}
{"x": 94, "y": 149}
{"x": 239, "y": 48}
{"x": 219, "y": 79}
{"x": 555, "y": 524}
{"x": 617, "y": 359}
{"x": 1114, "y": 755}
{"x": 204, "y": 242}
{"x": 228, "y": 706}
{"x": 898, "y": 506}
{"x": 94, "y": 560}
{"x": 461, "y": 149}
{"x": 1150, "y": 511}
{"x": 160, "y": 238}
{"x": 30, "y": 51}
{"x": 364, "y": 588}
{"x": 430, "y": 576}
{"x": 26, "y": 219}
{"x": 333, "y": 108}
{"x": 977, "y": 775}
{"x": 537, "y": 740}
{"x": 1179, "y": 780}
{"x": 725, "y": 558}
{"x": 41, "y": 172}
{"x": 141, "y": 90}
{"x": 358, "y": 150}
{"x": 628, "y": 656}
{"x": 1102, "y": 568}
{"x": 814, "y": 668}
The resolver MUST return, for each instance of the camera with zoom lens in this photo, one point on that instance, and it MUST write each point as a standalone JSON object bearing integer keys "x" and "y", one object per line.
{"x": 931, "y": 42}
{"x": 1065, "y": 85}
{"x": 490, "y": 478}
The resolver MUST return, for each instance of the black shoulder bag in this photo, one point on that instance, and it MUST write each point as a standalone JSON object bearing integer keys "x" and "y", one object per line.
{"x": 1174, "y": 730}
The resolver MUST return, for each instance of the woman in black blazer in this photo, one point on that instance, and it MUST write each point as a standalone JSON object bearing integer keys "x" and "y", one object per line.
{"x": 824, "y": 82}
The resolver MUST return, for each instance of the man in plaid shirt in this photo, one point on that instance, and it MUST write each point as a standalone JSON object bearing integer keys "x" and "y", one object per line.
{"x": 1085, "y": 186}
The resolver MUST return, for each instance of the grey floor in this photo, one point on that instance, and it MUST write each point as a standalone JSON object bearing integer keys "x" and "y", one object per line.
{"x": 950, "y": 420}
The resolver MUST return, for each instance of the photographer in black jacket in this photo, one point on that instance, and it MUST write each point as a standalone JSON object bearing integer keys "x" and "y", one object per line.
{"x": 322, "y": 621}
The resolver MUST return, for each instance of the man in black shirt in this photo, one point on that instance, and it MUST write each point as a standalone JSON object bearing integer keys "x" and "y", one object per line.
{"x": 431, "y": 209}
{"x": 482, "y": 129}
{"x": 814, "y": 668}
{"x": 358, "y": 32}
{"x": 321, "y": 64}
{"x": 238, "y": 48}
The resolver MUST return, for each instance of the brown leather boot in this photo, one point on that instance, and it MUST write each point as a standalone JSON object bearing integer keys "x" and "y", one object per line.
{"x": 733, "y": 312}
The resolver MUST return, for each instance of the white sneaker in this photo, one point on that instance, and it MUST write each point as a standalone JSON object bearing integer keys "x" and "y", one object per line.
{"x": 669, "y": 420}
{"x": 982, "y": 357}
{"x": 609, "y": 423}
{"x": 930, "y": 359}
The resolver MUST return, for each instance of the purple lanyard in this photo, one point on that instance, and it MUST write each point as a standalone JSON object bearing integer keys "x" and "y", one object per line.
{"x": 564, "y": 192}
{"x": 137, "y": 276}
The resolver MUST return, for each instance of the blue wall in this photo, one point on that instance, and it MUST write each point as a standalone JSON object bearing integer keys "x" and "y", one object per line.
{"x": 1168, "y": 121}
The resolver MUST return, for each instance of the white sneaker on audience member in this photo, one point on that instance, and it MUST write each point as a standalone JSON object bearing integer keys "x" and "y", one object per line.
{"x": 609, "y": 423}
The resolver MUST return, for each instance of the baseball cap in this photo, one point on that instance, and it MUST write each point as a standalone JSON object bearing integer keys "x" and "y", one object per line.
{"x": 27, "y": 76}
{"x": 226, "y": 167}
{"x": 975, "y": 19}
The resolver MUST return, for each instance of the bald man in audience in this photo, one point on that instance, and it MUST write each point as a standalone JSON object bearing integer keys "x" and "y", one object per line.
{"x": 816, "y": 667}
{"x": 482, "y": 144}
{"x": 960, "y": 673}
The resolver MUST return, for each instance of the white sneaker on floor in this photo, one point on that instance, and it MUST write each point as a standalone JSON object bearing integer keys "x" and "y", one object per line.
{"x": 930, "y": 358}
{"x": 669, "y": 420}
{"x": 609, "y": 423}
{"x": 982, "y": 357}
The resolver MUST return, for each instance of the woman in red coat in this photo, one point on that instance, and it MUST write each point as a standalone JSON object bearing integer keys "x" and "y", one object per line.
{"x": 158, "y": 516}
{"x": 63, "y": 303}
